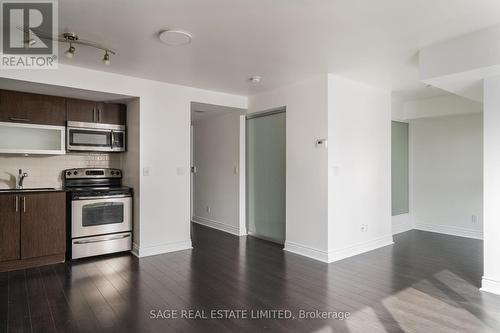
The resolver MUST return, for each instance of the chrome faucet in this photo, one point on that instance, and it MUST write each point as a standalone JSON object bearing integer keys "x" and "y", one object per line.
{"x": 20, "y": 180}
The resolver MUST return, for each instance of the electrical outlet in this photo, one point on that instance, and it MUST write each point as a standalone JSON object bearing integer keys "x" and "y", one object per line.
{"x": 364, "y": 228}
{"x": 474, "y": 219}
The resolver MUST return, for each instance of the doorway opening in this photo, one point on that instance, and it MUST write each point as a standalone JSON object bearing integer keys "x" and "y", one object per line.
{"x": 218, "y": 167}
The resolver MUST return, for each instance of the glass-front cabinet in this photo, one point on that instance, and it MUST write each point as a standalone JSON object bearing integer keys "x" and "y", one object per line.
{"x": 16, "y": 138}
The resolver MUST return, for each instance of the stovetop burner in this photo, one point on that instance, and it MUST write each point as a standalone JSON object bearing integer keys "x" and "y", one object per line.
{"x": 95, "y": 182}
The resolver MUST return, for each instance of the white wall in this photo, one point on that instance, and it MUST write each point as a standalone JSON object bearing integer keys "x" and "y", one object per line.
{"x": 428, "y": 109}
{"x": 164, "y": 146}
{"x": 440, "y": 106}
{"x": 397, "y": 109}
{"x": 491, "y": 277}
{"x": 359, "y": 174}
{"x": 306, "y": 165}
{"x": 332, "y": 191}
{"x": 131, "y": 163}
{"x": 448, "y": 174}
{"x": 217, "y": 181}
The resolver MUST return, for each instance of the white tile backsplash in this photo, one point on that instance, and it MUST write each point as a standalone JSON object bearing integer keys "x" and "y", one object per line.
{"x": 46, "y": 171}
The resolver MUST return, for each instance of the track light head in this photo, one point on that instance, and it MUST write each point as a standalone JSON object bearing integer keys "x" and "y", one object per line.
{"x": 70, "y": 53}
{"x": 106, "y": 59}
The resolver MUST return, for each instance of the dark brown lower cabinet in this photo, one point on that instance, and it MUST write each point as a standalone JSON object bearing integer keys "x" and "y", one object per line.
{"x": 35, "y": 229}
{"x": 10, "y": 227}
{"x": 43, "y": 221}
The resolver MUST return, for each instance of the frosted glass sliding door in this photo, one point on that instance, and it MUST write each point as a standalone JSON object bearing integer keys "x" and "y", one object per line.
{"x": 266, "y": 175}
{"x": 400, "y": 183}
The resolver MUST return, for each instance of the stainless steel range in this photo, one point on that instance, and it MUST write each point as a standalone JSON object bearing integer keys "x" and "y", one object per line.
{"x": 101, "y": 211}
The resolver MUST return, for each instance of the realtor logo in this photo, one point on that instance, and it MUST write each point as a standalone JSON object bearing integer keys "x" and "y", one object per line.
{"x": 29, "y": 34}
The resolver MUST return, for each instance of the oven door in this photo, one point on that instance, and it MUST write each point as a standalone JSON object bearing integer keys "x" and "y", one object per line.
{"x": 92, "y": 216}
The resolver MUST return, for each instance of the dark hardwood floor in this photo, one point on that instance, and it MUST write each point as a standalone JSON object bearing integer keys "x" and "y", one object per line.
{"x": 424, "y": 283}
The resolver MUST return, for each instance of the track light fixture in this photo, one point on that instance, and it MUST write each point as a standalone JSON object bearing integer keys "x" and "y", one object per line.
{"x": 71, "y": 38}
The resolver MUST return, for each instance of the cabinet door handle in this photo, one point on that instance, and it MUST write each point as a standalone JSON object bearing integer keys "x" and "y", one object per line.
{"x": 100, "y": 115}
{"x": 25, "y": 120}
{"x": 17, "y": 203}
{"x": 24, "y": 204}
{"x": 94, "y": 115}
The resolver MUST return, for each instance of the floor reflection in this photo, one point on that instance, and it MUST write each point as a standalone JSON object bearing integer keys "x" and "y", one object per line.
{"x": 424, "y": 282}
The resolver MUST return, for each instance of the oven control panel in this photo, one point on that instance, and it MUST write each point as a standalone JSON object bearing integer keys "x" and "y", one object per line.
{"x": 92, "y": 173}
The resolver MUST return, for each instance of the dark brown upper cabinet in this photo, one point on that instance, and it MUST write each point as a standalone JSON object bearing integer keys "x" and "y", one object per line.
{"x": 21, "y": 107}
{"x": 96, "y": 112}
{"x": 112, "y": 113}
{"x": 81, "y": 110}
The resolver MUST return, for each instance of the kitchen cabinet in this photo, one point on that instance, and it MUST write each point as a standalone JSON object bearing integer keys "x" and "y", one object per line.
{"x": 43, "y": 221}
{"x": 81, "y": 110}
{"x": 21, "y": 107}
{"x": 112, "y": 113}
{"x": 10, "y": 227}
{"x": 96, "y": 112}
{"x": 17, "y": 138}
{"x": 33, "y": 229}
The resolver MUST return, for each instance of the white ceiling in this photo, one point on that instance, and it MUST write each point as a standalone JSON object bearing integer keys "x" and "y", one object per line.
{"x": 375, "y": 41}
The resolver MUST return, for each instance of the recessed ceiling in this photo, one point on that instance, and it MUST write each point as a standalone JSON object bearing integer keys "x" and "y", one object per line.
{"x": 284, "y": 41}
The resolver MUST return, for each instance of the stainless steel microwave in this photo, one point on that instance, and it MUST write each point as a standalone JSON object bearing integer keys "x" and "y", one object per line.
{"x": 81, "y": 136}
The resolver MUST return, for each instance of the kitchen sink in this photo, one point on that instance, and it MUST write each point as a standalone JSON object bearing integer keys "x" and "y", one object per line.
{"x": 28, "y": 189}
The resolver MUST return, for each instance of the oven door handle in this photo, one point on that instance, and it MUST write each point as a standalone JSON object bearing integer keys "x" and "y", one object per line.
{"x": 101, "y": 240}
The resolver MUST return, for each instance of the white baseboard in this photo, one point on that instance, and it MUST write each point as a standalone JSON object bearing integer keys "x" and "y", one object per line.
{"x": 269, "y": 239}
{"x": 219, "y": 226}
{"x": 490, "y": 285}
{"x": 401, "y": 223}
{"x": 449, "y": 230}
{"x": 306, "y": 251}
{"x": 141, "y": 251}
{"x": 359, "y": 248}
{"x": 340, "y": 254}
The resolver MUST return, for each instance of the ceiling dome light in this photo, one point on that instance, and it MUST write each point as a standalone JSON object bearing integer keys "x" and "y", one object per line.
{"x": 175, "y": 37}
{"x": 70, "y": 53}
{"x": 255, "y": 79}
{"x": 106, "y": 60}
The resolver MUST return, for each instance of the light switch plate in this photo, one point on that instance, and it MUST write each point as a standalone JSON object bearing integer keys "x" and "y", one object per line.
{"x": 145, "y": 172}
{"x": 321, "y": 143}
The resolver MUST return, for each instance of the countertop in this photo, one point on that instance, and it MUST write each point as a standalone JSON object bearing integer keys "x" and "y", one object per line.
{"x": 31, "y": 190}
